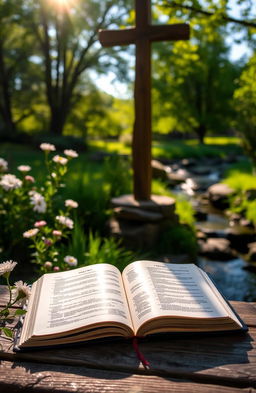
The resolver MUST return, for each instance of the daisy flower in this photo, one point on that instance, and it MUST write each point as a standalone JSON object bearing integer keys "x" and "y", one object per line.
{"x": 38, "y": 201}
{"x": 24, "y": 168}
{"x": 71, "y": 203}
{"x": 70, "y": 153}
{"x": 31, "y": 232}
{"x": 22, "y": 292}
{"x": 10, "y": 182}
{"x": 7, "y": 267}
{"x": 71, "y": 261}
{"x": 60, "y": 160}
{"x": 65, "y": 221}
{"x": 47, "y": 147}
{"x": 3, "y": 165}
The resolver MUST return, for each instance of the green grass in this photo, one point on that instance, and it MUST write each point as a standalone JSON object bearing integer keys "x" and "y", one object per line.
{"x": 176, "y": 149}
{"x": 241, "y": 179}
{"x": 93, "y": 183}
{"x": 110, "y": 146}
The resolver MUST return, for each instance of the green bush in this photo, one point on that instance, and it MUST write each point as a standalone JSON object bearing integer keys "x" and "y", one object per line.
{"x": 178, "y": 240}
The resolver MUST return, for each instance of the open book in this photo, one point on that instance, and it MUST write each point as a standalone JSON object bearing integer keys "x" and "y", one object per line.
{"x": 98, "y": 301}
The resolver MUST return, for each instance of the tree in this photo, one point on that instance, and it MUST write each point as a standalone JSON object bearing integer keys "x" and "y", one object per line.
{"x": 195, "y": 81}
{"x": 15, "y": 50}
{"x": 67, "y": 38}
{"x": 245, "y": 101}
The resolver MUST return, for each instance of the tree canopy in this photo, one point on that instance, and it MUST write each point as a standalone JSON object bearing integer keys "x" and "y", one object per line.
{"x": 48, "y": 49}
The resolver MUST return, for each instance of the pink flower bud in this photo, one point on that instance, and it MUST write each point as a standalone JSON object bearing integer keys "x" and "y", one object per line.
{"x": 56, "y": 232}
{"x": 39, "y": 224}
{"x": 56, "y": 268}
{"x": 30, "y": 179}
{"x": 47, "y": 242}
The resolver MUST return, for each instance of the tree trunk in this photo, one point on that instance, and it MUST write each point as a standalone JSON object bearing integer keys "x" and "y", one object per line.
{"x": 57, "y": 121}
{"x": 201, "y": 131}
{"x": 5, "y": 99}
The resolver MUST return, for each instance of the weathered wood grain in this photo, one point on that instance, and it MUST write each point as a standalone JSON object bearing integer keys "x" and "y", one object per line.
{"x": 229, "y": 359}
{"x": 30, "y": 377}
{"x": 4, "y": 295}
{"x": 247, "y": 311}
{"x": 226, "y": 359}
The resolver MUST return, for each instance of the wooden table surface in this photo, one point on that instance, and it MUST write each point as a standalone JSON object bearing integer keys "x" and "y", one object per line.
{"x": 224, "y": 363}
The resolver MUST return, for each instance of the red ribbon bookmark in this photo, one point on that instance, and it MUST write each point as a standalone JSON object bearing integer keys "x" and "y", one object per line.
{"x": 140, "y": 356}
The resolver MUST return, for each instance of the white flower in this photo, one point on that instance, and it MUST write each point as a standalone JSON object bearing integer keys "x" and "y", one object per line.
{"x": 10, "y": 182}
{"x": 60, "y": 160}
{"x": 3, "y": 165}
{"x": 31, "y": 232}
{"x": 24, "y": 168}
{"x": 48, "y": 265}
{"x": 67, "y": 222}
{"x": 47, "y": 147}
{"x": 70, "y": 153}
{"x": 22, "y": 292}
{"x": 7, "y": 267}
{"x": 71, "y": 261}
{"x": 71, "y": 203}
{"x": 38, "y": 201}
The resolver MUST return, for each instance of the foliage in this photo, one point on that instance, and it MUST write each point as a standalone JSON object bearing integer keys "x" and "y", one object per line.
{"x": 184, "y": 209}
{"x": 24, "y": 204}
{"x": 178, "y": 240}
{"x": 107, "y": 250}
{"x": 18, "y": 295}
{"x": 193, "y": 85}
{"x": 67, "y": 38}
{"x": 171, "y": 148}
{"x": 19, "y": 81}
{"x": 240, "y": 178}
{"x": 245, "y": 101}
{"x": 91, "y": 248}
{"x": 117, "y": 173}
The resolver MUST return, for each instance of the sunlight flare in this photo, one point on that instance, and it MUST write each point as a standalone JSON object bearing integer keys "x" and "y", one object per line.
{"x": 63, "y": 5}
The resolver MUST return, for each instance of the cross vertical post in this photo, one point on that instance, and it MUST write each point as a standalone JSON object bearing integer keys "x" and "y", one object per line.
{"x": 142, "y": 35}
{"x": 141, "y": 142}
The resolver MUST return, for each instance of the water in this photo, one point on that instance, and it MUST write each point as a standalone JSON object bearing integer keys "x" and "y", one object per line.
{"x": 231, "y": 277}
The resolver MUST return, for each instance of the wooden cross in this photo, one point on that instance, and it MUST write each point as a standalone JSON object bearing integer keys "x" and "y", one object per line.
{"x": 142, "y": 35}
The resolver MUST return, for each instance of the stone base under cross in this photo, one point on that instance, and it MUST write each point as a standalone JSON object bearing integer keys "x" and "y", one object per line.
{"x": 140, "y": 223}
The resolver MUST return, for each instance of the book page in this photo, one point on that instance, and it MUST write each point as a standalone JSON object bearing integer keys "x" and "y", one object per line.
{"x": 81, "y": 297}
{"x": 157, "y": 289}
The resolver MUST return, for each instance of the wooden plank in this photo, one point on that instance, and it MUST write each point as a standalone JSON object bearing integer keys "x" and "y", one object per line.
{"x": 228, "y": 359}
{"x": 4, "y": 295}
{"x": 215, "y": 359}
{"x": 247, "y": 311}
{"x": 30, "y": 377}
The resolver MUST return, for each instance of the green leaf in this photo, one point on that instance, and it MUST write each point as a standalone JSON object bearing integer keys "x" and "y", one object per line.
{"x": 8, "y": 332}
{"x": 20, "y": 312}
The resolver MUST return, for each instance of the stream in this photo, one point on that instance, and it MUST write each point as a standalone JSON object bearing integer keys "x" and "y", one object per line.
{"x": 231, "y": 277}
